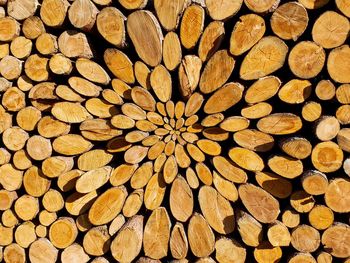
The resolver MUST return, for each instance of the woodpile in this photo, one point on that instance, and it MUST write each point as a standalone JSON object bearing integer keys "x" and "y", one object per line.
{"x": 174, "y": 131}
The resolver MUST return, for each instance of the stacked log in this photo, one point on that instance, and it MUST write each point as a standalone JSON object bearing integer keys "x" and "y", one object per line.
{"x": 174, "y": 131}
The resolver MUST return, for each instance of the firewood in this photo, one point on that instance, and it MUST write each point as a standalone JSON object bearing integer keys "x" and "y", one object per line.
{"x": 336, "y": 238}
{"x": 291, "y": 218}
{"x": 132, "y": 235}
{"x": 333, "y": 193}
{"x": 267, "y": 211}
{"x": 278, "y": 234}
{"x": 116, "y": 224}
{"x": 312, "y": 111}
{"x": 200, "y": 236}
{"x": 136, "y": 125}
{"x": 25, "y": 234}
{"x": 262, "y": 7}
{"x": 189, "y": 32}
{"x": 333, "y": 154}
{"x": 301, "y": 201}
{"x": 249, "y": 229}
{"x": 343, "y": 6}
{"x": 97, "y": 241}
{"x": 314, "y": 182}
{"x": 101, "y": 214}
{"x": 321, "y": 217}
{"x": 302, "y": 257}
{"x": 289, "y": 21}
{"x": 275, "y": 51}
{"x": 21, "y": 47}
{"x": 14, "y": 253}
{"x": 325, "y": 90}
{"x": 74, "y": 253}
{"x": 305, "y": 238}
{"x": 266, "y": 252}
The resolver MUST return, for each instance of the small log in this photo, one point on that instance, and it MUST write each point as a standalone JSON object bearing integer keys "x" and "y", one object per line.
{"x": 323, "y": 31}
{"x": 314, "y": 182}
{"x": 217, "y": 220}
{"x": 33, "y": 27}
{"x": 158, "y": 224}
{"x": 53, "y": 201}
{"x": 141, "y": 21}
{"x": 74, "y": 44}
{"x": 246, "y": 159}
{"x": 278, "y": 234}
{"x": 189, "y": 32}
{"x": 256, "y": 111}
{"x": 133, "y": 203}
{"x": 200, "y": 236}
{"x": 324, "y": 257}
{"x": 25, "y": 234}
{"x": 87, "y": 14}
{"x": 10, "y": 177}
{"x": 291, "y": 218}
{"x": 275, "y": 51}
{"x": 312, "y": 111}
{"x": 60, "y": 65}
{"x": 326, "y": 134}
{"x": 26, "y": 207}
{"x": 306, "y": 51}
{"x": 289, "y": 21}
{"x": 14, "y": 253}
{"x": 321, "y": 217}
{"x": 265, "y": 252}
{"x": 262, "y": 7}
{"x": 112, "y": 30}
{"x": 229, "y": 250}
{"x": 280, "y": 124}
{"x": 295, "y": 91}
{"x": 181, "y": 199}
{"x": 53, "y": 12}
{"x": 285, "y": 166}
{"x": 336, "y": 238}
{"x": 302, "y": 201}
{"x": 296, "y": 147}
{"x": 47, "y": 218}
{"x": 211, "y": 73}
{"x": 325, "y": 90}
{"x": 116, "y": 224}
{"x": 36, "y": 68}
{"x": 249, "y": 229}
{"x": 343, "y": 6}
{"x": 21, "y": 47}
{"x": 334, "y": 196}
{"x": 42, "y": 250}
{"x": 35, "y": 183}
{"x": 228, "y": 95}
{"x": 258, "y": 202}
{"x": 41, "y": 231}
{"x": 46, "y": 44}
{"x": 305, "y": 238}
{"x": 335, "y": 59}
{"x": 178, "y": 242}
{"x": 130, "y": 234}
{"x": 333, "y": 154}
{"x": 99, "y": 213}
{"x": 74, "y": 253}
{"x": 9, "y": 29}
{"x": 39, "y": 148}
{"x": 97, "y": 241}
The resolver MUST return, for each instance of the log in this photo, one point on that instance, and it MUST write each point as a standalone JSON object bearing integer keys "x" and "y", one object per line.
{"x": 174, "y": 130}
